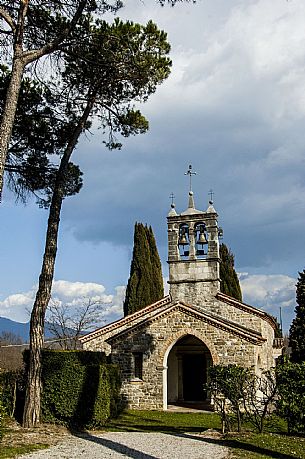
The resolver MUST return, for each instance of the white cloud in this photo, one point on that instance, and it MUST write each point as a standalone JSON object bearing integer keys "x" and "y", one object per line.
{"x": 15, "y": 306}
{"x": 270, "y": 293}
{"x": 115, "y": 310}
{"x": 74, "y": 290}
{"x": 73, "y": 294}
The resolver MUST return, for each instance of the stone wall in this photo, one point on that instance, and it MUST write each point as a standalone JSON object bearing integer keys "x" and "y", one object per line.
{"x": 156, "y": 341}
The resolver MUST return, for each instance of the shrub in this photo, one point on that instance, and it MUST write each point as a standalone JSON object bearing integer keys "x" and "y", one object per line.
{"x": 227, "y": 386}
{"x": 79, "y": 388}
{"x": 239, "y": 395}
{"x": 2, "y": 418}
{"x": 10, "y": 382}
{"x": 291, "y": 388}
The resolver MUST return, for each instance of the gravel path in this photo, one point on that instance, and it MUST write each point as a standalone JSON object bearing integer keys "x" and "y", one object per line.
{"x": 135, "y": 445}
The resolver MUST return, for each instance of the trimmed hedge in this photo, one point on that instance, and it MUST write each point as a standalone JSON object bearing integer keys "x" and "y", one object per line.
{"x": 79, "y": 388}
{"x": 10, "y": 383}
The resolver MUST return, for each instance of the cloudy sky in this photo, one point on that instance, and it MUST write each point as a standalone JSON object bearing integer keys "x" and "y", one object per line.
{"x": 233, "y": 107}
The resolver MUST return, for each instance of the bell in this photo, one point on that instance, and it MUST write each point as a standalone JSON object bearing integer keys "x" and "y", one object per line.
{"x": 202, "y": 238}
{"x": 182, "y": 239}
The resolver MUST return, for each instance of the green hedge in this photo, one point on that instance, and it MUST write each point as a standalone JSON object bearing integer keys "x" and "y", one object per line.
{"x": 291, "y": 390}
{"x": 10, "y": 383}
{"x": 79, "y": 388}
{"x": 2, "y": 417}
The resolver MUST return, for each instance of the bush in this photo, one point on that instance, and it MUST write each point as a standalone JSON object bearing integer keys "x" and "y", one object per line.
{"x": 2, "y": 418}
{"x": 227, "y": 386}
{"x": 291, "y": 389}
{"x": 10, "y": 382}
{"x": 79, "y": 388}
{"x": 240, "y": 395}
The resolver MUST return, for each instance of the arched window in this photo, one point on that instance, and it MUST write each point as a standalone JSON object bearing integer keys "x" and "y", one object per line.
{"x": 201, "y": 240}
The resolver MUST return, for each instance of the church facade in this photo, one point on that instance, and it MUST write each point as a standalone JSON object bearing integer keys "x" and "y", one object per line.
{"x": 164, "y": 350}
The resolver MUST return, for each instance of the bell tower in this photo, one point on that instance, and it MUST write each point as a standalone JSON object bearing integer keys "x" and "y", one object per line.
{"x": 193, "y": 253}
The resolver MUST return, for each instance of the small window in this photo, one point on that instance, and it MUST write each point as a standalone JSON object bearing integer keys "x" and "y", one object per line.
{"x": 138, "y": 365}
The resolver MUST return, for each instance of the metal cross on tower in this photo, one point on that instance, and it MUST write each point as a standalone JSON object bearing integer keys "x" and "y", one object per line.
{"x": 211, "y": 193}
{"x": 172, "y": 197}
{"x": 190, "y": 173}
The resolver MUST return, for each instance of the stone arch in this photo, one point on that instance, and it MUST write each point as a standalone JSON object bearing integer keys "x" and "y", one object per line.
{"x": 170, "y": 343}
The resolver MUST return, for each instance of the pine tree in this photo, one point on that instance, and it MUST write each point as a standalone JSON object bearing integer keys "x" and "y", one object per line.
{"x": 297, "y": 329}
{"x": 229, "y": 279}
{"x": 145, "y": 284}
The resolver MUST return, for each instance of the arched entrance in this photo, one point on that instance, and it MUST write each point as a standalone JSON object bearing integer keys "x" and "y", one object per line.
{"x": 187, "y": 368}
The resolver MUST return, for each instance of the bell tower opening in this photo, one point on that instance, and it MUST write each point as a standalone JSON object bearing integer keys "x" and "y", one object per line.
{"x": 184, "y": 241}
{"x": 201, "y": 239}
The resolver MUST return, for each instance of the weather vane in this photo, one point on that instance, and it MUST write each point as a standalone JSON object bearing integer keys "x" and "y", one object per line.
{"x": 190, "y": 173}
{"x": 172, "y": 197}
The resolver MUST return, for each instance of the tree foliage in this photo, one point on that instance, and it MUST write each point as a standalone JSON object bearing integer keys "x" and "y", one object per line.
{"x": 145, "y": 283}
{"x": 41, "y": 31}
{"x": 127, "y": 62}
{"x": 30, "y": 31}
{"x": 40, "y": 133}
{"x": 241, "y": 395}
{"x": 291, "y": 389}
{"x": 2, "y": 416}
{"x": 227, "y": 386}
{"x": 229, "y": 279}
{"x": 297, "y": 329}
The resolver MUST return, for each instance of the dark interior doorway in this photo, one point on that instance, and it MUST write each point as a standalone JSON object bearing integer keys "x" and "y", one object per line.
{"x": 187, "y": 371}
{"x": 194, "y": 377}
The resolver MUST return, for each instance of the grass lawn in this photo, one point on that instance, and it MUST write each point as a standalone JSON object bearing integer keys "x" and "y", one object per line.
{"x": 17, "y": 441}
{"x": 164, "y": 421}
{"x": 267, "y": 445}
{"x": 274, "y": 444}
{"x": 7, "y": 452}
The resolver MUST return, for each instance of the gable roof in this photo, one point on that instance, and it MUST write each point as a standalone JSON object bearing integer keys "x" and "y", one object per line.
{"x": 247, "y": 308}
{"x": 245, "y": 333}
{"x": 164, "y": 306}
{"x": 125, "y": 321}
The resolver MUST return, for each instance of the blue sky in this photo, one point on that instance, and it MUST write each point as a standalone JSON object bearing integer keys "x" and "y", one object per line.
{"x": 234, "y": 107}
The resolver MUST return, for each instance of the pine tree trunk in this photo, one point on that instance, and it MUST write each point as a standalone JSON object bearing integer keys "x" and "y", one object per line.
{"x": 9, "y": 111}
{"x": 31, "y": 415}
{"x": 32, "y": 401}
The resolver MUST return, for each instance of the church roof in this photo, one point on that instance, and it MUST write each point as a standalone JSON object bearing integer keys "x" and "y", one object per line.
{"x": 245, "y": 333}
{"x": 247, "y": 308}
{"x": 125, "y": 321}
{"x": 165, "y": 306}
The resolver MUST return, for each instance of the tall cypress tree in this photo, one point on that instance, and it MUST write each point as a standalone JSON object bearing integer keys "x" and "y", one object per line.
{"x": 145, "y": 283}
{"x": 156, "y": 285}
{"x": 297, "y": 329}
{"x": 229, "y": 279}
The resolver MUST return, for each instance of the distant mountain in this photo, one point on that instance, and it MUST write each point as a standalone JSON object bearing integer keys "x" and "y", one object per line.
{"x": 19, "y": 329}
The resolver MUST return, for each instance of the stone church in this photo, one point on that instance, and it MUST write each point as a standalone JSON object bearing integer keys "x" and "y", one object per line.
{"x": 165, "y": 349}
